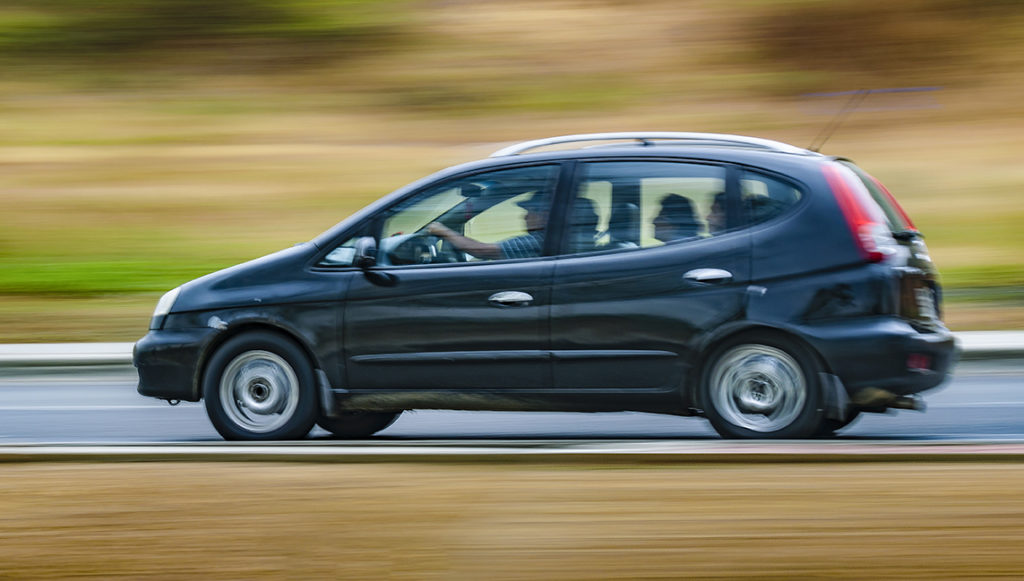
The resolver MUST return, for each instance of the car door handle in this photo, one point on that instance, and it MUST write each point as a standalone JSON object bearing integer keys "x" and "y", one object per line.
{"x": 708, "y": 276}
{"x": 510, "y": 299}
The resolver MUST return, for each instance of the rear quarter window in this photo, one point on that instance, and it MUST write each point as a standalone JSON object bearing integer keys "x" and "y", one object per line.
{"x": 764, "y": 197}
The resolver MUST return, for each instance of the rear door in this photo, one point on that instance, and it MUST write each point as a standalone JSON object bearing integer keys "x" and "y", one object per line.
{"x": 629, "y": 309}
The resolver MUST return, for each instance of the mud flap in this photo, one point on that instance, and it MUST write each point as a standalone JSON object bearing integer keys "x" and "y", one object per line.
{"x": 835, "y": 400}
{"x": 328, "y": 404}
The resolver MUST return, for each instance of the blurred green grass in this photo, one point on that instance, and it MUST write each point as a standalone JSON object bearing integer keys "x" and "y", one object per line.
{"x": 147, "y": 143}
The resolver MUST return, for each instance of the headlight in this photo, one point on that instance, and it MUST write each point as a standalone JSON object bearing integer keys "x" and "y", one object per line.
{"x": 163, "y": 306}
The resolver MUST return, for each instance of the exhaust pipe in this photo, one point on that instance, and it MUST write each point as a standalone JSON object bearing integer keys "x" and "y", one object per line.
{"x": 908, "y": 402}
{"x": 875, "y": 399}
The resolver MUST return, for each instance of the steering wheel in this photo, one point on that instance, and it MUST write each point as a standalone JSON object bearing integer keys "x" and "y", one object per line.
{"x": 428, "y": 249}
{"x": 423, "y": 248}
{"x": 449, "y": 253}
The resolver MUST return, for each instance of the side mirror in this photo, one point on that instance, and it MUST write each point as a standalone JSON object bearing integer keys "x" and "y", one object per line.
{"x": 366, "y": 252}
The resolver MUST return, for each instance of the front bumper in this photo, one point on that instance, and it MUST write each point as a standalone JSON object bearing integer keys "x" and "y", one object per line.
{"x": 169, "y": 362}
{"x": 885, "y": 353}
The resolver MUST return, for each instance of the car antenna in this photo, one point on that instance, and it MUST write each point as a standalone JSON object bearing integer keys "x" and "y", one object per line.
{"x": 855, "y": 100}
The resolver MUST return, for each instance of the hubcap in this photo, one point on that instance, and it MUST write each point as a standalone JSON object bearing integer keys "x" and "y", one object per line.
{"x": 758, "y": 387}
{"x": 259, "y": 391}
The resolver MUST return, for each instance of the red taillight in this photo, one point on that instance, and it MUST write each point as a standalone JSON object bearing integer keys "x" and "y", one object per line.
{"x": 865, "y": 218}
{"x": 919, "y": 362}
{"x": 894, "y": 204}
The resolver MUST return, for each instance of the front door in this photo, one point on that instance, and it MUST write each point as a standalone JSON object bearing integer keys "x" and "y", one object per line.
{"x": 460, "y": 295}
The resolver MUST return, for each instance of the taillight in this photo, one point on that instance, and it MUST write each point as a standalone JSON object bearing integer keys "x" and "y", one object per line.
{"x": 863, "y": 216}
{"x": 894, "y": 204}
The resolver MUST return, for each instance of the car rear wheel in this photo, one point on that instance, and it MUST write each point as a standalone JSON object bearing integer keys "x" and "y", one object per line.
{"x": 762, "y": 386}
{"x": 259, "y": 386}
{"x": 357, "y": 424}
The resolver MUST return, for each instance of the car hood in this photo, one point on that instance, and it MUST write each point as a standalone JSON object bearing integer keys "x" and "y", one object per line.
{"x": 272, "y": 279}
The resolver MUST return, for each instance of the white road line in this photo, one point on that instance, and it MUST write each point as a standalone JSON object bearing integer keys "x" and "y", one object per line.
{"x": 78, "y": 408}
{"x": 976, "y": 404}
{"x": 675, "y": 451}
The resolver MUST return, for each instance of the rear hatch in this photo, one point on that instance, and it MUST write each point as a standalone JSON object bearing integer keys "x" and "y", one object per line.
{"x": 918, "y": 293}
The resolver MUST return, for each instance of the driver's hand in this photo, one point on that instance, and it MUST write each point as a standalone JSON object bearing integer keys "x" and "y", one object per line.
{"x": 438, "y": 229}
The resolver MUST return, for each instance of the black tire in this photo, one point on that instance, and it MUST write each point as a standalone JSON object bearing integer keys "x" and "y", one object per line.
{"x": 762, "y": 385}
{"x": 350, "y": 425}
{"x": 260, "y": 386}
{"x": 830, "y": 426}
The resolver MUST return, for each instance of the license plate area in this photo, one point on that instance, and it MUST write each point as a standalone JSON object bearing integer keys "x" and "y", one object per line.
{"x": 925, "y": 298}
{"x": 919, "y": 299}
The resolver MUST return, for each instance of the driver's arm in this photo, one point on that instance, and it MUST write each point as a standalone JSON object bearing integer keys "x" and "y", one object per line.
{"x": 485, "y": 250}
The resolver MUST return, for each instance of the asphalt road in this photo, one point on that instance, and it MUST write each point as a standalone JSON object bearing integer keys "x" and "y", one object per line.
{"x": 983, "y": 402}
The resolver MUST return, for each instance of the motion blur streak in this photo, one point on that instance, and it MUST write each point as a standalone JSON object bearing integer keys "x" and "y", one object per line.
{"x": 146, "y": 143}
{"x": 513, "y": 521}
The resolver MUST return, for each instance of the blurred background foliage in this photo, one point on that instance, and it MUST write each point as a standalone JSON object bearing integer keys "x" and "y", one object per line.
{"x": 145, "y": 143}
{"x": 261, "y": 34}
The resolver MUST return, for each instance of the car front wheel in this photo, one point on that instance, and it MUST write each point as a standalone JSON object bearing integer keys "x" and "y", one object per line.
{"x": 762, "y": 386}
{"x": 260, "y": 386}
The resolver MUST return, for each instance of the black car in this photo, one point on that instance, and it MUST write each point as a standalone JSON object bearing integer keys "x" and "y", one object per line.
{"x": 774, "y": 290}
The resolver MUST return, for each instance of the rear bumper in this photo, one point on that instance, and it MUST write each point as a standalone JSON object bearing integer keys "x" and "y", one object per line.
{"x": 169, "y": 361}
{"x": 885, "y": 353}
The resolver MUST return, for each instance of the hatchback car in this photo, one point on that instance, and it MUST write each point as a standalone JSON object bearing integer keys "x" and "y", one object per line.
{"x": 773, "y": 290}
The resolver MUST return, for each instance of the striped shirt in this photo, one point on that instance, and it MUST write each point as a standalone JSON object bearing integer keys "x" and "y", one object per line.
{"x": 526, "y": 246}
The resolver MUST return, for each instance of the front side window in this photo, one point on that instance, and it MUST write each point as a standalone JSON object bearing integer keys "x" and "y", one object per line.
{"x": 642, "y": 204}
{"x": 497, "y": 215}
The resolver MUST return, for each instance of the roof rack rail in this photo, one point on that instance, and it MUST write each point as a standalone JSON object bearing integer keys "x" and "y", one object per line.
{"x": 648, "y": 137}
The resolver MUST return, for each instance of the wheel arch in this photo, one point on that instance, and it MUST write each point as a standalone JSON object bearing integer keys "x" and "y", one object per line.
{"x": 806, "y": 423}
{"x": 712, "y": 344}
{"x": 241, "y": 329}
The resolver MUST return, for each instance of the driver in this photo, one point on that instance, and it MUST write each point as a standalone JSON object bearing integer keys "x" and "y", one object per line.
{"x": 525, "y": 246}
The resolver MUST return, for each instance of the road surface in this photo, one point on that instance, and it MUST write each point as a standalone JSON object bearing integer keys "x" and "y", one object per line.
{"x": 983, "y": 402}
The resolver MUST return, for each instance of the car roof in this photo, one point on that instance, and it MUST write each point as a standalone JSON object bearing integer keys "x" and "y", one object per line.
{"x": 786, "y": 159}
{"x": 710, "y": 152}
{"x": 648, "y": 138}
{"x": 725, "y": 153}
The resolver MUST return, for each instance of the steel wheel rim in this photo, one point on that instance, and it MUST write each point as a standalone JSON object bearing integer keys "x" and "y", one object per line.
{"x": 758, "y": 387}
{"x": 259, "y": 391}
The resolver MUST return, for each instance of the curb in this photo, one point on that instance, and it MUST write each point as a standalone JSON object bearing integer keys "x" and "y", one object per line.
{"x": 982, "y": 345}
{"x": 66, "y": 354}
{"x": 974, "y": 345}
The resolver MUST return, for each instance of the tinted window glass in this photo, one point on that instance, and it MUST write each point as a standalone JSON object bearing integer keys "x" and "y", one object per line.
{"x": 765, "y": 197}
{"x": 640, "y": 204}
{"x": 489, "y": 216}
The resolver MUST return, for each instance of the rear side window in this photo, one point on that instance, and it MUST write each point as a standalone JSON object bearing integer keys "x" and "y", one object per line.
{"x": 897, "y": 220}
{"x": 642, "y": 204}
{"x": 765, "y": 197}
